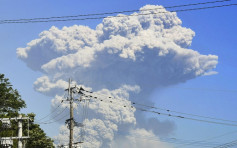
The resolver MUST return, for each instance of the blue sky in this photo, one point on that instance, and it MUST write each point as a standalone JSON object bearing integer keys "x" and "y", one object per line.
{"x": 215, "y": 33}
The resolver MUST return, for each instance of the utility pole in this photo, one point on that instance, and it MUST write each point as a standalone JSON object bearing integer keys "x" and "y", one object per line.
{"x": 71, "y": 125}
{"x": 6, "y": 124}
{"x": 20, "y": 131}
{"x": 71, "y": 122}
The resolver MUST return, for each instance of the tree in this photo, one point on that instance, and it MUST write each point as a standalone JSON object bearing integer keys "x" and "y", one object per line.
{"x": 10, "y": 105}
{"x": 38, "y": 138}
{"x": 10, "y": 99}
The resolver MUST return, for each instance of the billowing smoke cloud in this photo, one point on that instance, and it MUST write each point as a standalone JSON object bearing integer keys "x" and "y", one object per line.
{"x": 139, "y": 138}
{"x": 103, "y": 118}
{"x": 123, "y": 54}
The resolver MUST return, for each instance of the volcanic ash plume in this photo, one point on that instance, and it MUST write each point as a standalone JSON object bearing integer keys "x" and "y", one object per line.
{"x": 124, "y": 56}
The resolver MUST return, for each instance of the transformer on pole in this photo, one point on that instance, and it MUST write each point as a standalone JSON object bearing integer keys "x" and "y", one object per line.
{"x": 71, "y": 121}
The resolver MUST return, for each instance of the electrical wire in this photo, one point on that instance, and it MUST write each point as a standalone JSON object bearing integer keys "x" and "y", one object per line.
{"x": 37, "y": 120}
{"x": 226, "y": 145}
{"x": 48, "y": 121}
{"x": 40, "y": 20}
{"x": 167, "y": 110}
{"x": 210, "y": 138}
{"x": 182, "y": 117}
{"x": 116, "y": 12}
{"x": 194, "y": 143}
{"x": 85, "y": 116}
{"x": 55, "y": 120}
{"x": 49, "y": 113}
{"x": 170, "y": 115}
{"x": 173, "y": 140}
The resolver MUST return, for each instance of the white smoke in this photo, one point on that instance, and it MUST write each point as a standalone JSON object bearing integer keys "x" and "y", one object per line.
{"x": 137, "y": 54}
{"x": 139, "y": 138}
{"x": 104, "y": 118}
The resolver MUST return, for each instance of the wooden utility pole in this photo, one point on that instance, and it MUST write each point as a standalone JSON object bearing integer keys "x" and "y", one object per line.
{"x": 71, "y": 125}
{"x": 71, "y": 122}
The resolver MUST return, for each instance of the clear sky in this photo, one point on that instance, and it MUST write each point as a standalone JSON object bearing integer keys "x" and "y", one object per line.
{"x": 212, "y": 95}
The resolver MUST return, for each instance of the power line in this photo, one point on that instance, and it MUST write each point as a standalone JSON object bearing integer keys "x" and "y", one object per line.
{"x": 166, "y": 114}
{"x": 49, "y": 113}
{"x": 48, "y": 121}
{"x": 202, "y": 8}
{"x": 55, "y": 120}
{"x": 55, "y": 109}
{"x": 153, "y": 107}
{"x": 116, "y": 12}
{"x": 167, "y": 110}
{"x": 210, "y": 138}
{"x": 173, "y": 140}
{"x": 226, "y": 145}
{"x": 182, "y": 117}
{"x": 118, "y": 16}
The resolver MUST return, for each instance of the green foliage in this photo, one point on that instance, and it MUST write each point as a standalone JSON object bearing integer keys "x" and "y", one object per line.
{"x": 10, "y": 99}
{"x": 38, "y": 138}
{"x": 10, "y": 105}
